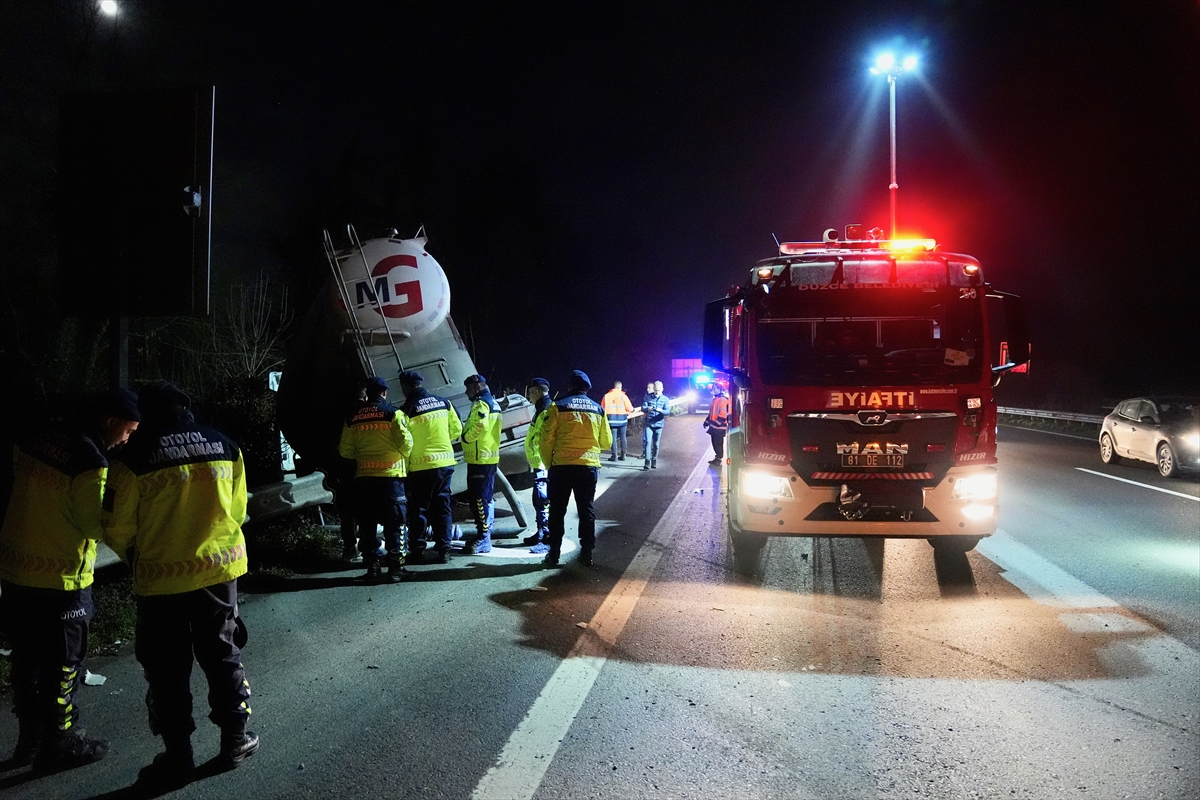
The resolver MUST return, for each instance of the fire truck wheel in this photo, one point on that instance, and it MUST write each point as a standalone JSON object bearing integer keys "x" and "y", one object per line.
{"x": 1108, "y": 452}
{"x": 747, "y": 548}
{"x": 1168, "y": 467}
{"x": 954, "y": 544}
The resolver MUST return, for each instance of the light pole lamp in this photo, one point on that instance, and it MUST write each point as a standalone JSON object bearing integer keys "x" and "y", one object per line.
{"x": 886, "y": 64}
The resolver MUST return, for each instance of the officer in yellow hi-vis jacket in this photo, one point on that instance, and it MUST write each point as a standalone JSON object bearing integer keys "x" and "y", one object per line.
{"x": 481, "y": 451}
{"x": 178, "y": 502}
{"x": 538, "y": 393}
{"x": 434, "y": 426}
{"x": 47, "y": 557}
{"x": 572, "y": 435}
{"x": 376, "y": 438}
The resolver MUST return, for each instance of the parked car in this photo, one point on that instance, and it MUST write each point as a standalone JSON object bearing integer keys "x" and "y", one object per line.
{"x": 1162, "y": 430}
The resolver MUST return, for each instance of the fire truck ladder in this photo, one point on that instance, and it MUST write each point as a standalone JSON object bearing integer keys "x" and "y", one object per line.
{"x": 364, "y": 338}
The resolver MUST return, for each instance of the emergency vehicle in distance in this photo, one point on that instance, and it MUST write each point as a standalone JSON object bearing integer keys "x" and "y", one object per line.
{"x": 862, "y": 373}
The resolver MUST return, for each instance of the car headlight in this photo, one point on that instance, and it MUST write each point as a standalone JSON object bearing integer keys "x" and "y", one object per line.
{"x": 1192, "y": 441}
{"x": 976, "y": 487}
{"x": 759, "y": 484}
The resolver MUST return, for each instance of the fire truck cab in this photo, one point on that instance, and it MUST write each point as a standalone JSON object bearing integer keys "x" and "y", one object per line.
{"x": 862, "y": 375}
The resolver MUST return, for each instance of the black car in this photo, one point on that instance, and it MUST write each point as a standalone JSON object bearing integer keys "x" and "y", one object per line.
{"x": 1162, "y": 430}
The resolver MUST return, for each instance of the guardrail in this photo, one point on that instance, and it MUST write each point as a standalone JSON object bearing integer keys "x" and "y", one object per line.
{"x": 1062, "y": 416}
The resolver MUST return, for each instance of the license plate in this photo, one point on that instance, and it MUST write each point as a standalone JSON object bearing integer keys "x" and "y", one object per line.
{"x": 872, "y": 460}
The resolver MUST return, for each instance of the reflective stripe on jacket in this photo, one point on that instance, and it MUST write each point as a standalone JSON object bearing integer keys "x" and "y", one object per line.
{"x": 481, "y": 431}
{"x": 434, "y": 426}
{"x": 617, "y": 407}
{"x": 178, "y": 503}
{"x": 718, "y": 413}
{"x": 48, "y": 540}
{"x": 573, "y": 431}
{"x": 376, "y": 438}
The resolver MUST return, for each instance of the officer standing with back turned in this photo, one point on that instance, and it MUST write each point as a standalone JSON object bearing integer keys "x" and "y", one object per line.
{"x": 571, "y": 437}
{"x": 178, "y": 502}
{"x": 376, "y": 438}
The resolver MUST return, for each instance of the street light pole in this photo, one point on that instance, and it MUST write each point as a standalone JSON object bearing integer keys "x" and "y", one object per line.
{"x": 887, "y": 64}
{"x": 893, "y": 187}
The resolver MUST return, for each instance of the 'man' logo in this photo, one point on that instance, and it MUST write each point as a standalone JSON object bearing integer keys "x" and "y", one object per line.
{"x": 872, "y": 449}
{"x": 396, "y": 300}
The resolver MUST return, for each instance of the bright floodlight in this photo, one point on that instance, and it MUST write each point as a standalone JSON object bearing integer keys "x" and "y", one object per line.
{"x": 910, "y": 62}
{"x": 109, "y": 7}
{"x": 885, "y": 62}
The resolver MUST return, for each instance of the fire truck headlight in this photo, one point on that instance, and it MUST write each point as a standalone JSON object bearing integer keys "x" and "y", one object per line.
{"x": 978, "y": 511}
{"x": 758, "y": 484}
{"x": 976, "y": 487}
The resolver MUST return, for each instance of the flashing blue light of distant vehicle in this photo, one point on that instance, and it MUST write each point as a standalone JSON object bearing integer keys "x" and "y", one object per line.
{"x": 702, "y": 378}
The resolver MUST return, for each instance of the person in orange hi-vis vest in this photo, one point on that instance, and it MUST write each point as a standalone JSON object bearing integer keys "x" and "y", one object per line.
{"x": 717, "y": 422}
{"x": 617, "y": 409}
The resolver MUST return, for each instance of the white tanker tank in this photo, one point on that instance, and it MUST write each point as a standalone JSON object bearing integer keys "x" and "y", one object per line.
{"x": 385, "y": 309}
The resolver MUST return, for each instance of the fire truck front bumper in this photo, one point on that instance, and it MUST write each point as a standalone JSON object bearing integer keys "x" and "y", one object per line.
{"x": 773, "y": 500}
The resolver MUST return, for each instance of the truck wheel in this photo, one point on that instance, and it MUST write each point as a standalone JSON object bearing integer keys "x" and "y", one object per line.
{"x": 1168, "y": 467}
{"x": 747, "y": 549}
{"x": 954, "y": 544}
{"x": 1108, "y": 451}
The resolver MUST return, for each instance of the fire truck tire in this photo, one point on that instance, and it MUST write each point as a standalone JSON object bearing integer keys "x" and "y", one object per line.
{"x": 747, "y": 549}
{"x": 954, "y": 544}
{"x": 1168, "y": 465}
{"x": 1108, "y": 450}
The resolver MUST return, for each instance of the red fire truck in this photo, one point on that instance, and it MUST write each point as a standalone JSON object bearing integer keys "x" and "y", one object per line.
{"x": 862, "y": 373}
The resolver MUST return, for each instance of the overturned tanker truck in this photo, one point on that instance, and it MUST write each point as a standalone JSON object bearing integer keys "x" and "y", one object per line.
{"x": 384, "y": 309}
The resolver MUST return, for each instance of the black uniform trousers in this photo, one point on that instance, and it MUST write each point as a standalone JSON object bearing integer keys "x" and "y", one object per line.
{"x": 380, "y": 501}
{"x": 429, "y": 504}
{"x": 48, "y": 629}
{"x": 579, "y": 480}
{"x": 171, "y": 629}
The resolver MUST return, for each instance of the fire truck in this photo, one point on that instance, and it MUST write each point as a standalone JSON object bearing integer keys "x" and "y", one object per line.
{"x": 862, "y": 373}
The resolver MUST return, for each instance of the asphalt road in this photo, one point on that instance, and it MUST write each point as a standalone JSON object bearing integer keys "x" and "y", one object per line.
{"x": 1059, "y": 659}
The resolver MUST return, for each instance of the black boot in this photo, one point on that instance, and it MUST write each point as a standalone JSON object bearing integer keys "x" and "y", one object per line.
{"x": 68, "y": 749}
{"x": 237, "y": 743}
{"x": 171, "y": 769}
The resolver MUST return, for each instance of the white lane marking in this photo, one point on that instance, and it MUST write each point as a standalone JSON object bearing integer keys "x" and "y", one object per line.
{"x": 529, "y": 751}
{"x": 1038, "y": 578}
{"x": 1103, "y": 623}
{"x": 1135, "y": 483}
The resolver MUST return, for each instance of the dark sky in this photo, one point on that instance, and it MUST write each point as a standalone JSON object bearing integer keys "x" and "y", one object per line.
{"x": 590, "y": 174}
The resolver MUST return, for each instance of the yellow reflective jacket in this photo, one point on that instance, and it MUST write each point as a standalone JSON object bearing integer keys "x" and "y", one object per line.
{"x": 434, "y": 425}
{"x": 178, "y": 503}
{"x": 481, "y": 431}
{"x": 376, "y": 439}
{"x": 532, "y": 454}
{"x": 573, "y": 431}
{"x": 48, "y": 540}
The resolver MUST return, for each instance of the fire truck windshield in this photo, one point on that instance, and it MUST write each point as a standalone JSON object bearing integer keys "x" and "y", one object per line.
{"x": 876, "y": 334}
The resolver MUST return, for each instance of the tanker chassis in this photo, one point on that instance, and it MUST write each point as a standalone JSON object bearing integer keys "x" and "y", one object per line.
{"x": 862, "y": 375}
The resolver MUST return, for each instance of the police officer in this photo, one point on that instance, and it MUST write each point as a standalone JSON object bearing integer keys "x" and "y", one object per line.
{"x": 574, "y": 432}
{"x": 376, "y": 438}
{"x": 717, "y": 422}
{"x": 538, "y": 393}
{"x": 178, "y": 501}
{"x": 656, "y": 407}
{"x": 617, "y": 408}
{"x": 434, "y": 426}
{"x": 481, "y": 451}
{"x": 47, "y": 558}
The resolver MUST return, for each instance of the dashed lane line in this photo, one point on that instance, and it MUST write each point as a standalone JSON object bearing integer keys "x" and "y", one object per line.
{"x": 527, "y": 755}
{"x": 1136, "y": 483}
